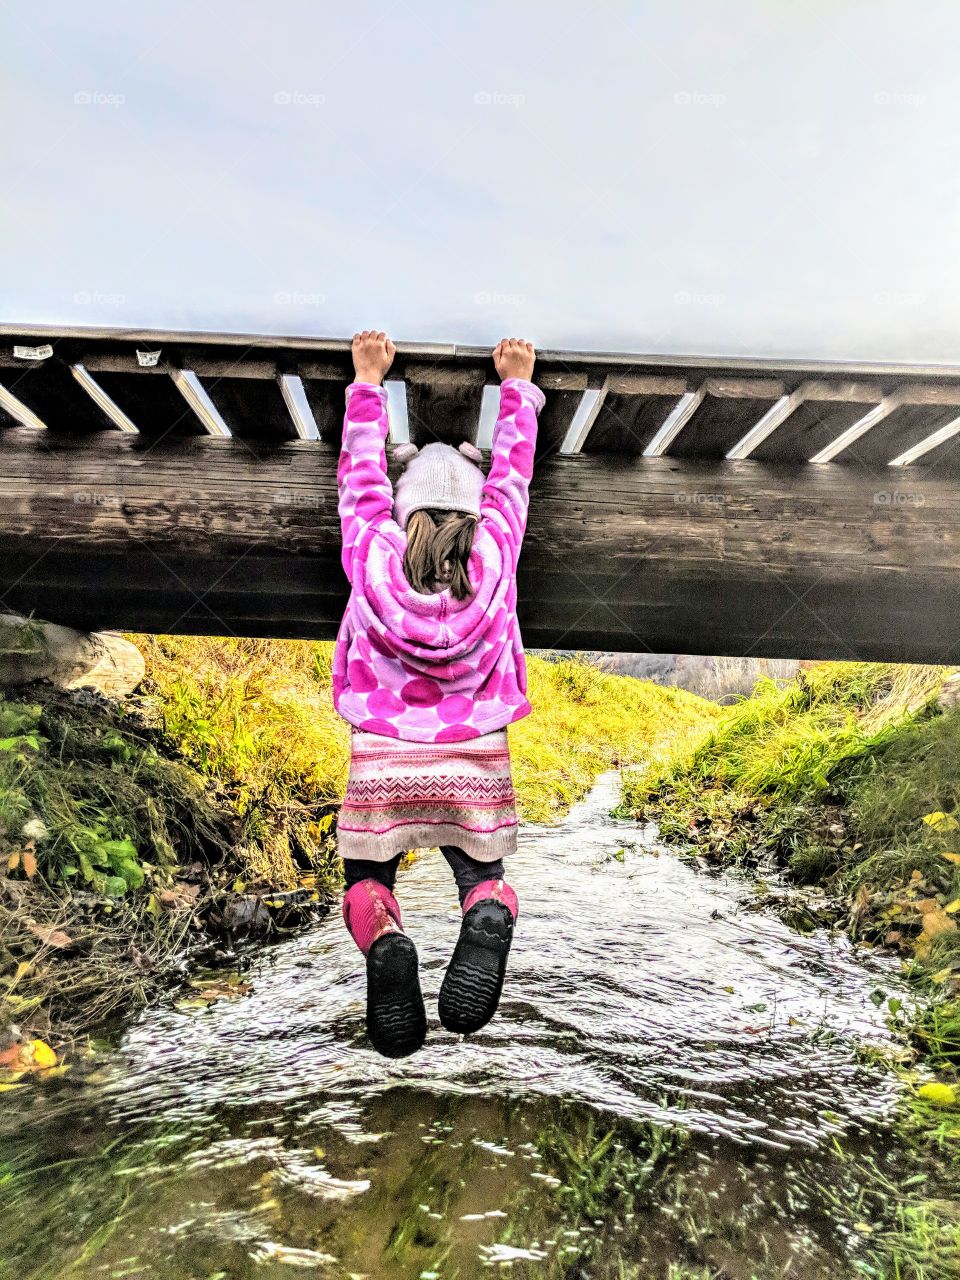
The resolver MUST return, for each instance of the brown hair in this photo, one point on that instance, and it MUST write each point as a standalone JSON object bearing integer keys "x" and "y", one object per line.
{"x": 438, "y": 548}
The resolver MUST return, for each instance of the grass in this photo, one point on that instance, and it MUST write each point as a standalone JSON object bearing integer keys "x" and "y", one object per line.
{"x": 849, "y": 779}
{"x": 257, "y": 715}
{"x": 96, "y": 821}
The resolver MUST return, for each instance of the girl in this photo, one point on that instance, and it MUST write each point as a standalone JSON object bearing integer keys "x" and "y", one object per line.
{"x": 429, "y": 669}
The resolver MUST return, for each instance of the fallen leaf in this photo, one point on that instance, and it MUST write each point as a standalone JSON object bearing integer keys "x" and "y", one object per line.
{"x": 941, "y": 1095}
{"x": 952, "y": 907}
{"x": 43, "y": 1055}
{"x": 29, "y": 865}
{"x": 951, "y": 857}
{"x": 5, "y": 1088}
{"x": 55, "y": 938}
{"x": 941, "y": 821}
{"x": 926, "y": 905}
{"x": 936, "y": 922}
{"x": 13, "y": 862}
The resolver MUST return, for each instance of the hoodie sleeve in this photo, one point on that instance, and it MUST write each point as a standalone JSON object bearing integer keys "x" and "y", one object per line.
{"x": 506, "y": 491}
{"x": 365, "y": 491}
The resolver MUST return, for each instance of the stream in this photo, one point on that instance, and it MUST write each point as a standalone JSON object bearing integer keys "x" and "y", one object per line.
{"x": 674, "y": 1087}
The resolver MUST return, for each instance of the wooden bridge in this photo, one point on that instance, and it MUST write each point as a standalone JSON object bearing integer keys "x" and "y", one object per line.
{"x": 185, "y": 482}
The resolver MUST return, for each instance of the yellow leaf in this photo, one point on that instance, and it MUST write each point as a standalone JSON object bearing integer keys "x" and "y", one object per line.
{"x": 952, "y": 907}
{"x": 941, "y": 1095}
{"x": 941, "y": 975}
{"x": 13, "y": 862}
{"x": 43, "y": 1055}
{"x": 936, "y": 922}
{"x": 5, "y": 1088}
{"x": 951, "y": 857}
{"x": 29, "y": 865}
{"x": 941, "y": 821}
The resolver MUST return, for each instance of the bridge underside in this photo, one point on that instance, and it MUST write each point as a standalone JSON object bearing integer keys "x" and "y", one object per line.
{"x": 674, "y": 508}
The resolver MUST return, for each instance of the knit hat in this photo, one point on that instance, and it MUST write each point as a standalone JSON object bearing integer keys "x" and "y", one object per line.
{"x": 437, "y": 476}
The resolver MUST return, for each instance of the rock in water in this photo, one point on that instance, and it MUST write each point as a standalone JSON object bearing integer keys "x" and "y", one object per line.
{"x": 33, "y": 650}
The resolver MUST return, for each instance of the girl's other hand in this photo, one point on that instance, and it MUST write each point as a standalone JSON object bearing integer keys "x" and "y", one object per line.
{"x": 514, "y": 358}
{"x": 372, "y": 356}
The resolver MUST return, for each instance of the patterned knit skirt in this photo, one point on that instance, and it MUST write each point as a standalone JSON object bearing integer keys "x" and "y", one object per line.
{"x": 415, "y": 795}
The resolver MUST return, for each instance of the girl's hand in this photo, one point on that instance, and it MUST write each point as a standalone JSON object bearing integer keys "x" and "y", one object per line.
{"x": 514, "y": 358}
{"x": 372, "y": 356}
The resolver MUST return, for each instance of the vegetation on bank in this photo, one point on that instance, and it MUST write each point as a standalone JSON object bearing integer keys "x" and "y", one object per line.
{"x": 848, "y": 779}
{"x": 257, "y": 716}
{"x": 125, "y": 827}
{"x": 103, "y": 838}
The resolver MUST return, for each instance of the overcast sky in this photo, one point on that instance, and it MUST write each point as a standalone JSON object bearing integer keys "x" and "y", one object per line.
{"x": 719, "y": 176}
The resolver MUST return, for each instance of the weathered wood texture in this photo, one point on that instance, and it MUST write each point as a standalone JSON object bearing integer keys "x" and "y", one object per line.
{"x": 227, "y": 536}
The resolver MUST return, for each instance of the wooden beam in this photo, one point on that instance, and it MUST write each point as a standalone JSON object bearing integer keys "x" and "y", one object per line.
{"x": 728, "y": 405}
{"x": 632, "y": 409}
{"x": 219, "y": 536}
{"x": 443, "y": 404}
{"x": 564, "y": 392}
{"x": 821, "y": 412}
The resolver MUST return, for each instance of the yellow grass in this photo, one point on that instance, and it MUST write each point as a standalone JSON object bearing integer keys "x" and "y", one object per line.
{"x": 258, "y": 716}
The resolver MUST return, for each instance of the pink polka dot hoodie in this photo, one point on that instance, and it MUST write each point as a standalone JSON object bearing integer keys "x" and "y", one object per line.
{"x": 429, "y": 668}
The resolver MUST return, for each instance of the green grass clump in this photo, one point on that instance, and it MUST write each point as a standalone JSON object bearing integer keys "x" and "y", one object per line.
{"x": 257, "y": 717}
{"x": 88, "y": 802}
{"x": 96, "y": 823}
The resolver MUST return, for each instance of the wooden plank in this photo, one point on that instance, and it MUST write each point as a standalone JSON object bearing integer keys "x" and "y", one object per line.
{"x": 730, "y": 407}
{"x": 325, "y": 389}
{"x": 564, "y": 392}
{"x": 443, "y": 404}
{"x": 826, "y": 409}
{"x": 51, "y": 391}
{"x": 620, "y": 552}
{"x": 633, "y": 409}
{"x": 921, "y": 411}
{"x": 252, "y": 408}
{"x": 153, "y": 403}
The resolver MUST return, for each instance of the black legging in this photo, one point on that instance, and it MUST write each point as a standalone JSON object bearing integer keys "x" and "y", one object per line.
{"x": 467, "y": 871}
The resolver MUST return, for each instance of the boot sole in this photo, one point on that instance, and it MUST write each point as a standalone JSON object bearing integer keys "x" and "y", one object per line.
{"x": 396, "y": 1017}
{"x": 474, "y": 979}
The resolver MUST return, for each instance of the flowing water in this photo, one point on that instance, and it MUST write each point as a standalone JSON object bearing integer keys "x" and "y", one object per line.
{"x": 673, "y": 1087}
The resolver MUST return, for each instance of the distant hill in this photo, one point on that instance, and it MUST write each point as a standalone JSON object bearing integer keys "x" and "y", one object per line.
{"x": 720, "y": 679}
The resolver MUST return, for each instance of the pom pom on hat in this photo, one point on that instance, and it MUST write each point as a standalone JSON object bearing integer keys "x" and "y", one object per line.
{"x": 471, "y": 451}
{"x": 404, "y": 452}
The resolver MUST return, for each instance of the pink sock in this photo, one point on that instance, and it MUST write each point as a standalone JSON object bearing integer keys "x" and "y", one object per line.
{"x": 499, "y": 890}
{"x": 369, "y": 911}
